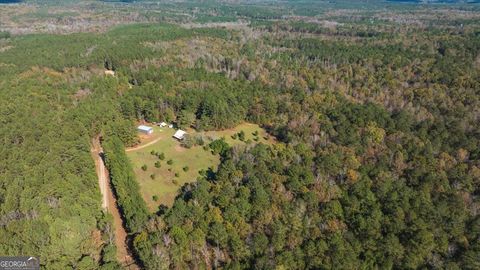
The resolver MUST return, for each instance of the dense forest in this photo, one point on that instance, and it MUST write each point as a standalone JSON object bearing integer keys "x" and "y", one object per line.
{"x": 49, "y": 193}
{"x": 376, "y": 163}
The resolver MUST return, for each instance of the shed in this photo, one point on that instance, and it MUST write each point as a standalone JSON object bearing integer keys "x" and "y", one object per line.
{"x": 162, "y": 124}
{"x": 145, "y": 129}
{"x": 110, "y": 72}
{"x": 179, "y": 134}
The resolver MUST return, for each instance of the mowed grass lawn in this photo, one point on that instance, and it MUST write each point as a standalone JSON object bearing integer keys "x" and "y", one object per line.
{"x": 165, "y": 183}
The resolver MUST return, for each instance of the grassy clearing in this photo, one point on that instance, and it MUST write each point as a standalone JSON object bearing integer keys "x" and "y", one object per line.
{"x": 168, "y": 178}
{"x": 247, "y": 128}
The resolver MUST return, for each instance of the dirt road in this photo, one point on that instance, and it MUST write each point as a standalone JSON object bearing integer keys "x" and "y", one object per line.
{"x": 109, "y": 203}
{"x": 143, "y": 146}
{"x": 101, "y": 172}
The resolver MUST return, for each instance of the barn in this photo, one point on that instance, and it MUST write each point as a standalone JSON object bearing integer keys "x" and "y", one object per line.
{"x": 145, "y": 129}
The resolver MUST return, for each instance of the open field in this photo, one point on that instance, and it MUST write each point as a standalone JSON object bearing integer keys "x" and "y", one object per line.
{"x": 248, "y": 128}
{"x": 168, "y": 179}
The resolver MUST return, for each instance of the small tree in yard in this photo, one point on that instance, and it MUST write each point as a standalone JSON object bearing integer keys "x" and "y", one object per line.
{"x": 187, "y": 141}
{"x": 241, "y": 135}
{"x": 157, "y": 164}
{"x": 170, "y": 162}
{"x": 152, "y": 176}
{"x": 155, "y": 198}
{"x": 199, "y": 140}
{"x": 161, "y": 156}
{"x": 185, "y": 169}
{"x": 144, "y": 167}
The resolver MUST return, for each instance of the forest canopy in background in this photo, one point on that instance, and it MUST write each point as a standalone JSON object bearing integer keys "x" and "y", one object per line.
{"x": 375, "y": 113}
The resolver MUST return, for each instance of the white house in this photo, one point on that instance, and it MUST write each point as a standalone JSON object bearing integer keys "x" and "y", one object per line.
{"x": 179, "y": 134}
{"x": 145, "y": 129}
{"x": 162, "y": 124}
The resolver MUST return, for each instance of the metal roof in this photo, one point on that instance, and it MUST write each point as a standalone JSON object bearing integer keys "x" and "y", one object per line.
{"x": 144, "y": 128}
{"x": 179, "y": 134}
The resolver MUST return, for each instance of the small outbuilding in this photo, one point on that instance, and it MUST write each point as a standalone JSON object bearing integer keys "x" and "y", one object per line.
{"x": 170, "y": 126}
{"x": 179, "y": 134}
{"x": 145, "y": 129}
{"x": 110, "y": 73}
{"x": 162, "y": 124}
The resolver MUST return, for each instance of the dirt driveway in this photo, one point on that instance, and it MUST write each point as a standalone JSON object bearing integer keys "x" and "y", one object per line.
{"x": 109, "y": 203}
